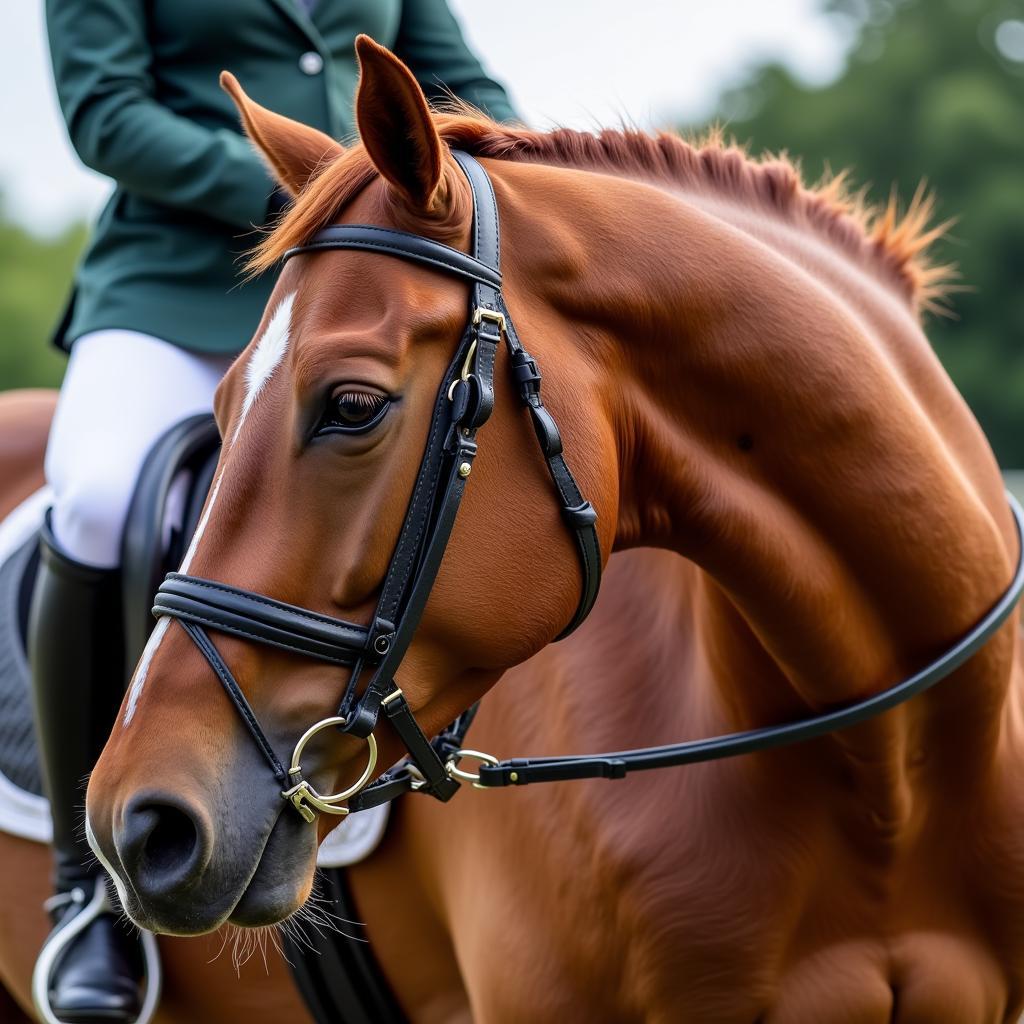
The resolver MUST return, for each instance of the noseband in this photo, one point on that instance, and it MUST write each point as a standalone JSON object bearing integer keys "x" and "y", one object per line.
{"x": 464, "y": 403}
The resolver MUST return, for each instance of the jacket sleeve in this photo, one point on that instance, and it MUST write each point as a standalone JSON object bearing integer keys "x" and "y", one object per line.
{"x": 430, "y": 42}
{"x": 102, "y": 67}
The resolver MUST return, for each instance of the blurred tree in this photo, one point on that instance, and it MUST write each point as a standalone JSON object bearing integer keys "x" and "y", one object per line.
{"x": 35, "y": 275}
{"x": 934, "y": 90}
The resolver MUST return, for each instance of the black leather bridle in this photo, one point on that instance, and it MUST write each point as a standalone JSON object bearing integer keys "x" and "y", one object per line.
{"x": 464, "y": 403}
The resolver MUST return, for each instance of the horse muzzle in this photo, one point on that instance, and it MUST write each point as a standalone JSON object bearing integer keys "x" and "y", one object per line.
{"x": 185, "y": 866}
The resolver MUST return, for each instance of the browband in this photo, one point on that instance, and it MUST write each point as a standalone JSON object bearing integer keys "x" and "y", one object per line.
{"x": 406, "y": 246}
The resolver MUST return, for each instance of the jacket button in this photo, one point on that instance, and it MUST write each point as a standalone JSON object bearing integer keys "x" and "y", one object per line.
{"x": 311, "y": 63}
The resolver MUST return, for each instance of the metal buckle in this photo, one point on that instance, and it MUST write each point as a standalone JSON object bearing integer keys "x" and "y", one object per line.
{"x": 481, "y": 313}
{"x": 455, "y": 772}
{"x": 464, "y": 374}
{"x": 304, "y": 797}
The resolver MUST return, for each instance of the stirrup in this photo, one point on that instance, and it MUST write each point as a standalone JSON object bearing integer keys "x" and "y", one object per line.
{"x": 62, "y": 936}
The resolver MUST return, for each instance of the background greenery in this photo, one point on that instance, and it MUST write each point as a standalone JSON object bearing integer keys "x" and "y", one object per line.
{"x": 927, "y": 94}
{"x": 34, "y": 279}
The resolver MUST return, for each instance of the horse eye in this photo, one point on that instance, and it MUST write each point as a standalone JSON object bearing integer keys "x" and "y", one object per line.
{"x": 352, "y": 411}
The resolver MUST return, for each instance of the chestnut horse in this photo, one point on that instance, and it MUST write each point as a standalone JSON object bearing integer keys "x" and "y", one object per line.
{"x": 741, "y": 378}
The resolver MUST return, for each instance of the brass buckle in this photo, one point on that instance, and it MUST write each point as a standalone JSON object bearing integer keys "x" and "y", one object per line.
{"x": 481, "y": 313}
{"x": 304, "y": 798}
{"x": 464, "y": 374}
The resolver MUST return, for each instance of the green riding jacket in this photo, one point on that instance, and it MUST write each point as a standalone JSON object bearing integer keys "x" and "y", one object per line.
{"x": 137, "y": 82}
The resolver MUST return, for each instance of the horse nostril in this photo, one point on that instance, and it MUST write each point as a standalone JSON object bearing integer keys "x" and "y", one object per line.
{"x": 171, "y": 840}
{"x": 163, "y": 846}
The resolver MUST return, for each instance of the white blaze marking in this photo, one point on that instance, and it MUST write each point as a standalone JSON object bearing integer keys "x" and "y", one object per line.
{"x": 201, "y": 528}
{"x": 266, "y": 356}
{"x": 265, "y": 359}
{"x": 139, "y": 681}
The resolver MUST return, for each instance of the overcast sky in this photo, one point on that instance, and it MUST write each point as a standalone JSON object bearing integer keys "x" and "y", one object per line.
{"x": 577, "y": 63}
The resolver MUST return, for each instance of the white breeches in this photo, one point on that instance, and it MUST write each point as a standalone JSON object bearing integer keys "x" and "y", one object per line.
{"x": 121, "y": 392}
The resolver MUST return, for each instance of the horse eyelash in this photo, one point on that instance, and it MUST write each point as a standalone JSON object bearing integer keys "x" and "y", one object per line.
{"x": 366, "y": 399}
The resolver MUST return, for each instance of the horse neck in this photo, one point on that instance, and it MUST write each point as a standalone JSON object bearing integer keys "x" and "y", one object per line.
{"x": 782, "y": 422}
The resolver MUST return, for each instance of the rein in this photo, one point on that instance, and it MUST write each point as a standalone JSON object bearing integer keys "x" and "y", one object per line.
{"x": 464, "y": 403}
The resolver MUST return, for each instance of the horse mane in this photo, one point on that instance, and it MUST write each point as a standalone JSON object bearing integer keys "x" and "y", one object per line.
{"x": 878, "y": 237}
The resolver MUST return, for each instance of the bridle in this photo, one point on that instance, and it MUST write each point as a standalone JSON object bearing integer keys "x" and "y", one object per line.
{"x": 464, "y": 402}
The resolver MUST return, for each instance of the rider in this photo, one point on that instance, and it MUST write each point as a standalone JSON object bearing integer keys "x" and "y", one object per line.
{"x": 156, "y": 317}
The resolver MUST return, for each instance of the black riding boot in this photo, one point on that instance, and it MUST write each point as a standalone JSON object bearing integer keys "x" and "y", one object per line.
{"x": 77, "y": 661}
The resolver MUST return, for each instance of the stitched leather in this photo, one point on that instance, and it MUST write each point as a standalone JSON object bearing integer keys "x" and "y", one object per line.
{"x": 486, "y": 227}
{"x": 360, "y": 723}
{"x": 420, "y": 751}
{"x": 400, "y": 779}
{"x": 392, "y": 784}
{"x": 399, "y": 573}
{"x": 488, "y": 339}
{"x": 419, "y": 543}
{"x": 260, "y": 618}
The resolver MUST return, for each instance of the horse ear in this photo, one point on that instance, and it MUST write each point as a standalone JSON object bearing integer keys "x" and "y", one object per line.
{"x": 395, "y": 125}
{"x": 295, "y": 151}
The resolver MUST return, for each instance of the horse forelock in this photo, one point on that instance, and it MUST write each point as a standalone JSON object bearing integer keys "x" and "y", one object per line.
{"x": 895, "y": 245}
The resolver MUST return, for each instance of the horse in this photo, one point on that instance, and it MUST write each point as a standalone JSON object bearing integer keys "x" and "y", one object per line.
{"x": 796, "y": 509}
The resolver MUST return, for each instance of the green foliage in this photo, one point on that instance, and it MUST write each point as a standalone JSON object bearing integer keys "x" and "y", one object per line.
{"x": 934, "y": 90}
{"x": 35, "y": 276}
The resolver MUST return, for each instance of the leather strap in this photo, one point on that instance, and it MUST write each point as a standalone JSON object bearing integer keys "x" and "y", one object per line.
{"x": 237, "y": 697}
{"x": 363, "y": 717}
{"x": 436, "y": 780}
{"x": 523, "y": 771}
{"x": 254, "y": 617}
{"x": 577, "y": 512}
{"x": 407, "y": 777}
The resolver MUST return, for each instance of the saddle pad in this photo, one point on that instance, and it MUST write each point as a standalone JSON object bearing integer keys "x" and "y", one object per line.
{"x": 24, "y": 811}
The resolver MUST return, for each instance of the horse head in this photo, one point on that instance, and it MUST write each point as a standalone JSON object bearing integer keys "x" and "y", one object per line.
{"x": 325, "y": 419}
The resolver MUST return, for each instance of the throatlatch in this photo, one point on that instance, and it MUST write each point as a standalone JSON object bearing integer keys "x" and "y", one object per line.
{"x": 464, "y": 403}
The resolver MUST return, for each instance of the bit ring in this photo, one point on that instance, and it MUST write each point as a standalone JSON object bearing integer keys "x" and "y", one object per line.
{"x": 304, "y": 797}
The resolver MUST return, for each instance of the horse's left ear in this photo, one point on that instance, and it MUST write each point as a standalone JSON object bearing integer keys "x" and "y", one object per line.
{"x": 295, "y": 151}
{"x": 395, "y": 125}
